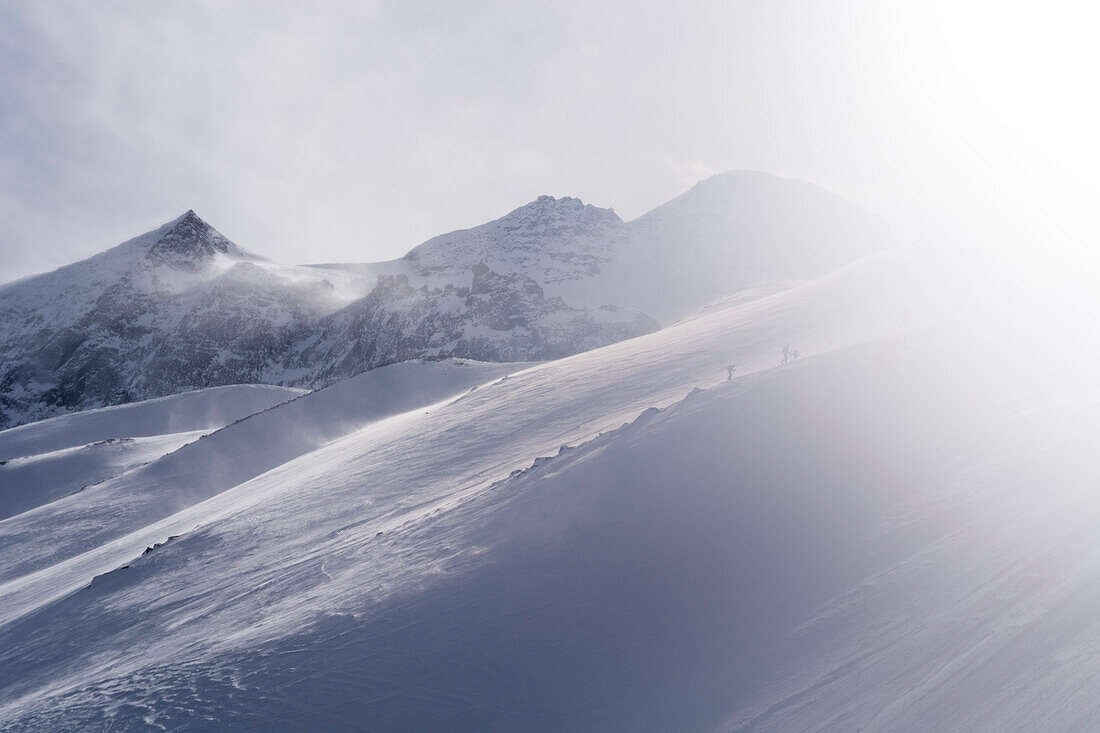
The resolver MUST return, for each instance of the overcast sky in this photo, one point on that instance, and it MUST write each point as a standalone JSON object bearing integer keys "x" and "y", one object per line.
{"x": 327, "y": 131}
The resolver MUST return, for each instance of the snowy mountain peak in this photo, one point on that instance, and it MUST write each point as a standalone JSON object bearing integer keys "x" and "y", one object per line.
{"x": 737, "y": 192}
{"x": 182, "y": 307}
{"x": 548, "y": 200}
{"x": 189, "y": 243}
{"x": 722, "y": 188}
{"x": 567, "y": 214}
{"x": 739, "y": 176}
{"x": 551, "y": 239}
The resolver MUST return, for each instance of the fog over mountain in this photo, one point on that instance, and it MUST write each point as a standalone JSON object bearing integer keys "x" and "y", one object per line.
{"x": 881, "y": 527}
{"x": 743, "y": 463}
{"x": 780, "y": 414}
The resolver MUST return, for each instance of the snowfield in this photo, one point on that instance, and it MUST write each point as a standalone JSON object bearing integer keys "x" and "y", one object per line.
{"x": 895, "y": 531}
{"x": 30, "y": 481}
{"x": 223, "y": 458}
{"x": 203, "y": 409}
{"x": 44, "y": 461}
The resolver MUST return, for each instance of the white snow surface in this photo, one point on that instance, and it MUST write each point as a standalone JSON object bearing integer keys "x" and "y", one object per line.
{"x": 31, "y": 481}
{"x": 243, "y": 449}
{"x": 201, "y": 409}
{"x": 889, "y": 533}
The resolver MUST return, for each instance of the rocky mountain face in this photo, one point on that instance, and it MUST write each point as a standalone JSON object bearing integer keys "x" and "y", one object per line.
{"x": 182, "y": 307}
{"x": 549, "y": 239}
{"x": 498, "y": 317}
{"x": 178, "y": 308}
{"x": 728, "y": 232}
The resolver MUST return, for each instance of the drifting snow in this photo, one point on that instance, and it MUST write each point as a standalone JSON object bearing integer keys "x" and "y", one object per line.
{"x": 31, "y": 481}
{"x": 246, "y": 448}
{"x": 203, "y": 409}
{"x": 360, "y": 528}
{"x": 894, "y": 532}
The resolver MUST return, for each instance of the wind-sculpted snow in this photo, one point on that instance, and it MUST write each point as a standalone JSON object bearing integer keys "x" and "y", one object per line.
{"x": 631, "y": 375}
{"x": 32, "y": 481}
{"x": 646, "y": 580}
{"x": 893, "y": 532}
{"x": 378, "y": 532}
{"x": 204, "y": 409}
{"x": 184, "y": 308}
{"x": 200, "y": 468}
{"x": 45, "y": 461}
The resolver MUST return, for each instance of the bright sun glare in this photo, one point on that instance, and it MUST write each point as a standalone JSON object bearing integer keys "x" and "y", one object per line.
{"x": 1006, "y": 91}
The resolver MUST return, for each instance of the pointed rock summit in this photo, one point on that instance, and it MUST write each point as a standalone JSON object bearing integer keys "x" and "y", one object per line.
{"x": 189, "y": 243}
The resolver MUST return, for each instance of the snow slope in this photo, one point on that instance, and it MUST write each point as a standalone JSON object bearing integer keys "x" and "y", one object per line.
{"x": 404, "y": 576}
{"x": 204, "y": 409}
{"x": 44, "y": 461}
{"x": 31, "y": 481}
{"x": 224, "y": 458}
{"x": 895, "y": 531}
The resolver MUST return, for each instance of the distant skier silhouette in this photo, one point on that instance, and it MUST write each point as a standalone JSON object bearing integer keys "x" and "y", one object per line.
{"x": 786, "y": 354}
{"x": 729, "y": 371}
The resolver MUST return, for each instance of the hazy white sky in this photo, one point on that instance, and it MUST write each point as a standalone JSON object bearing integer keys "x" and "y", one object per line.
{"x": 331, "y": 131}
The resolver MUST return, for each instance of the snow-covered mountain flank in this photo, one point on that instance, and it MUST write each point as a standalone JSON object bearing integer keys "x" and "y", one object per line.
{"x": 894, "y": 531}
{"x": 182, "y": 307}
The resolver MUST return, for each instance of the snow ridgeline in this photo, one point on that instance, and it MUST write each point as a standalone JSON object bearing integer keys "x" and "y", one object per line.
{"x": 44, "y": 461}
{"x": 55, "y": 523}
{"x": 206, "y": 409}
{"x": 184, "y": 308}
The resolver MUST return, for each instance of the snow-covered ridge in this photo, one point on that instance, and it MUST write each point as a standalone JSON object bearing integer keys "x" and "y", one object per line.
{"x": 263, "y": 436}
{"x": 44, "y": 461}
{"x": 205, "y": 409}
{"x": 548, "y": 240}
{"x": 182, "y": 307}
